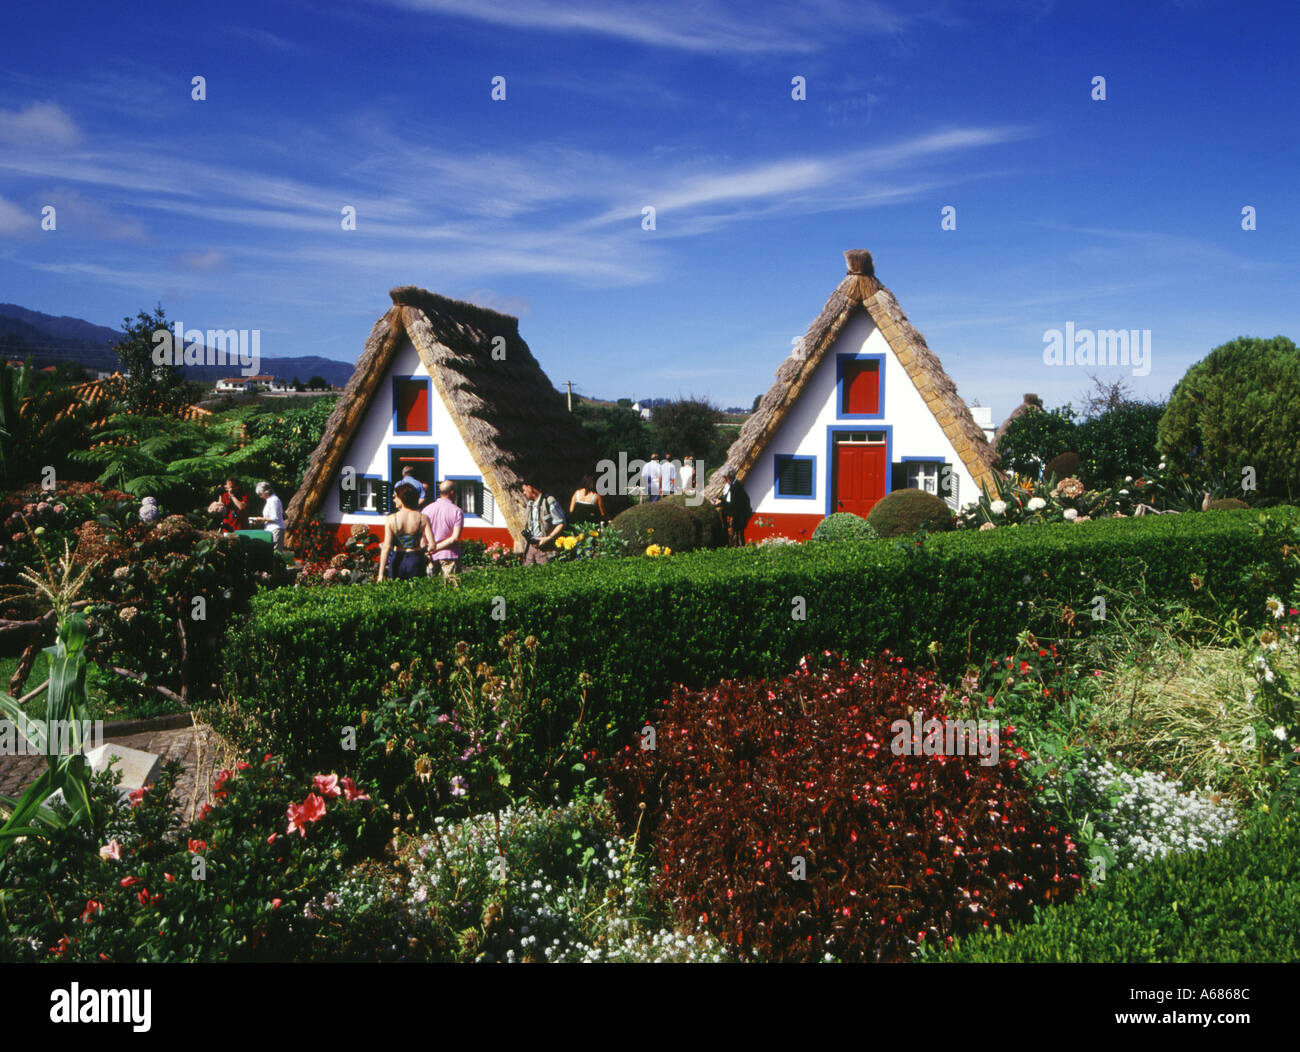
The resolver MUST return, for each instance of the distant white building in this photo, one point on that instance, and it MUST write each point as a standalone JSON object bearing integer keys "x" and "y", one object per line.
{"x": 983, "y": 415}
{"x": 253, "y": 383}
{"x": 644, "y": 413}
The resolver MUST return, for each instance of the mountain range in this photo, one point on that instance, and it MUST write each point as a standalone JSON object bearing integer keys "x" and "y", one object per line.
{"x": 50, "y": 340}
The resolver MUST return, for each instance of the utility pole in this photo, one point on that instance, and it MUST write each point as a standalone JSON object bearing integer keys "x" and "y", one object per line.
{"x": 570, "y": 399}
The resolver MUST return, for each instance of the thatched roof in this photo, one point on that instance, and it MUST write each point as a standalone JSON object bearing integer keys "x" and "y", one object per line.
{"x": 1031, "y": 402}
{"x": 860, "y": 291}
{"x": 514, "y": 422}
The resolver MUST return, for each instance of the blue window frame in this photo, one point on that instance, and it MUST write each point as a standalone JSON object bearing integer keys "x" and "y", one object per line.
{"x": 412, "y": 405}
{"x": 472, "y": 496}
{"x": 795, "y": 476}
{"x": 841, "y": 389}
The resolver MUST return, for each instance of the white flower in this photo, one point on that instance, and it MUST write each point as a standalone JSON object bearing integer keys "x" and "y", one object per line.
{"x": 1160, "y": 466}
{"x": 1275, "y": 607}
{"x": 1128, "y": 478}
{"x": 998, "y": 507}
{"x": 1279, "y": 733}
{"x": 1037, "y": 504}
{"x": 1123, "y": 493}
{"x": 1070, "y": 514}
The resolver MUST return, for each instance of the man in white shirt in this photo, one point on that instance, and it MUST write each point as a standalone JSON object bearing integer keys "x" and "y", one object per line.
{"x": 272, "y": 517}
{"x": 668, "y": 476}
{"x": 650, "y": 477}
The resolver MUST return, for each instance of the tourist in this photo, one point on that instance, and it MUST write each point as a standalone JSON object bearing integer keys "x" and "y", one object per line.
{"x": 408, "y": 476}
{"x": 688, "y": 474}
{"x": 587, "y": 505}
{"x": 446, "y": 520}
{"x": 650, "y": 477}
{"x": 735, "y": 509}
{"x": 667, "y": 476}
{"x": 545, "y": 523}
{"x": 400, "y": 557}
{"x": 232, "y": 506}
{"x": 272, "y": 517}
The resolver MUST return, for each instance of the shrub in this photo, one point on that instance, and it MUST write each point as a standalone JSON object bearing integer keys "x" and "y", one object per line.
{"x": 660, "y": 522}
{"x": 1063, "y": 465}
{"x": 844, "y": 526}
{"x": 1239, "y": 407}
{"x": 65, "y": 900}
{"x": 710, "y": 533}
{"x": 1119, "y": 442}
{"x": 747, "y": 778}
{"x": 1035, "y": 437}
{"x": 1237, "y": 902}
{"x": 309, "y": 661}
{"x": 1226, "y": 504}
{"x": 905, "y": 511}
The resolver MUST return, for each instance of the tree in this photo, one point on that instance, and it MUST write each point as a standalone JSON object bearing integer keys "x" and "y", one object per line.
{"x": 41, "y": 422}
{"x": 687, "y": 425}
{"x": 614, "y": 430}
{"x": 757, "y": 398}
{"x": 625, "y": 403}
{"x": 148, "y": 387}
{"x": 1035, "y": 437}
{"x": 318, "y": 383}
{"x": 1105, "y": 395}
{"x": 1120, "y": 441}
{"x": 1238, "y": 408}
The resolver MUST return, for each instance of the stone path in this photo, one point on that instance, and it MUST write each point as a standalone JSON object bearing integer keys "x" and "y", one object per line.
{"x": 202, "y": 754}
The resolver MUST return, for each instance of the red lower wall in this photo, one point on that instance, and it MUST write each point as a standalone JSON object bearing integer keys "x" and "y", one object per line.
{"x": 796, "y": 527}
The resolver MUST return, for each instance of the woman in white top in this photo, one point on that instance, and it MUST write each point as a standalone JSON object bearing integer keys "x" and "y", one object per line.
{"x": 272, "y": 517}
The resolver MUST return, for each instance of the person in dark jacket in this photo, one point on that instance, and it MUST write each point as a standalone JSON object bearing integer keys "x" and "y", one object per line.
{"x": 735, "y": 509}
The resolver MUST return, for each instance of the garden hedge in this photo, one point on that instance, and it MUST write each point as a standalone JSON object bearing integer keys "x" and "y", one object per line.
{"x": 1236, "y": 902}
{"x": 308, "y": 663}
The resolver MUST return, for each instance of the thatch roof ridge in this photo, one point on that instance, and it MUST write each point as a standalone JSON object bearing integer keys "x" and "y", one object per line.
{"x": 433, "y": 302}
{"x": 1031, "y": 402}
{"x": 860, "y": 290}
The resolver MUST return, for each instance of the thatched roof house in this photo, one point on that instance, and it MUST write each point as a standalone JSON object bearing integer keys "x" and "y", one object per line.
{"x": 860, "y": 407}
{"x": 452, "y": 391}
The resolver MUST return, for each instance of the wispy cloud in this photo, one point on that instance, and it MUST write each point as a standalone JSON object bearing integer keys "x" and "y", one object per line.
{"x": 683, "y": 25}
{"x": 40, "y": 125}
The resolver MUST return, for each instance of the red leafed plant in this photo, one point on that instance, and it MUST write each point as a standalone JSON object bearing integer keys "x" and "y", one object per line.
{"x": 746, "y": 777}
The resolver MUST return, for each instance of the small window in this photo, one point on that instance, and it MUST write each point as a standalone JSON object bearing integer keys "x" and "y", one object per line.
{"x": 924, "y": 475}
{"x": 794, "y": 476}
{"x": 373, "y": 496}
{"x": 411, "y": 405}
{"x": 469, "y": 497}
{"x": 860, "y": 387}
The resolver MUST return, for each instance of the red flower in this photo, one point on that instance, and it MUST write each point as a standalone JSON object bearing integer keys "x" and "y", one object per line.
{"x": 138, "y": 795}
{"x": 271, "y": 838}
{"x": 169, "y": 878}
{"x": 58, "y": 948}
{"x": 92, "y": 907}
{"x": 197, "y": 847}
{"x": 326, "y": 784}
{"x": 219, "y": 786}
{"x": 350, "y": 790}
{"x": 242, "y": 766}
{"x": 143, "y": 896}
{"x": 204, "y": 811}
{"x": 129, "y": 881}
{"x": 275, "y": 904}
{"x": 310, "y": 810}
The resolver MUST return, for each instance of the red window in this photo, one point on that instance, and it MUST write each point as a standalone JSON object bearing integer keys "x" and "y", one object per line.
{"x": 862, "y": 386}
{"x": 412, "y": 408}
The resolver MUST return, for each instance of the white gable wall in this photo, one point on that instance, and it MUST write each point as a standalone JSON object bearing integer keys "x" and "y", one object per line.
{"x": 368, "y": 452}
{"x": 914, "y": 430}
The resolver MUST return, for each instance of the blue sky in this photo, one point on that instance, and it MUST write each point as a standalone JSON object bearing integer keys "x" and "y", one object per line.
{"x": 1124, "y": 213}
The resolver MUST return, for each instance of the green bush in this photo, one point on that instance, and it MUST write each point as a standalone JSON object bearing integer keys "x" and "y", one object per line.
{"x": 309, "y": 663}
{"x": 1067, "y": 465}
{"x": 903, "y": 512}
{"x": 1119, "y": 442}
{"x": 710, "y": 533}
{"x": 660, "y": 522}
{"x": 844, "y": 526}
{"x": 1237, "y": 902}
{"x": 1227, "y": 504}
{"x": 1239, "y": 407}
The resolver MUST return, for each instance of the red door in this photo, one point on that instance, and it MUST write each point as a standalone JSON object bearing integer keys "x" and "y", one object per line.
{"x": 859, "y": 477}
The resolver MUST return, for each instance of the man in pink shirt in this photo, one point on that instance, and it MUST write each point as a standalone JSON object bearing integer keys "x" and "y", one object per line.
{"x": 447, "y": 520}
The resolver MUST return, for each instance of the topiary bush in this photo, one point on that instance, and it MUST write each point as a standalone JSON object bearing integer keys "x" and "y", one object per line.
{"x": 1064, "y": 465}
{"x": 897, "y": 849}
{"x": 660, "y": 522}
{"x": 710, "y": 533}
{"x": 905, "y": 511}
{"x": 1237, "y": 902}
{"x": 1227, "y": 504}
{"x": 844, "y": 526}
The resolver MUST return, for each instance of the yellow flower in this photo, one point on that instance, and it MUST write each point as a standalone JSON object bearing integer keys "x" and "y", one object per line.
{"x": 653, "y": 549}
{"x": 668, "y": 551}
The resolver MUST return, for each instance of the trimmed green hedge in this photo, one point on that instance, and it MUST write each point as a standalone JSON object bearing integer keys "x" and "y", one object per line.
{"x": 1236, "y": 902}
{"x": 306, "y": 663}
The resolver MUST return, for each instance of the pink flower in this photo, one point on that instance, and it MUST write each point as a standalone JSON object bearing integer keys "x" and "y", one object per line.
{"x": 326, "y": 784}
{"x": 138, "y": 795}
{"x": 351, "y": 792}
{"x": 310, "y": 810}
{"x": 275, "y": 903}
{"x": 459, "y": 787}
{"x": 271, "y": 838}
{"x": 111, "y": 851}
